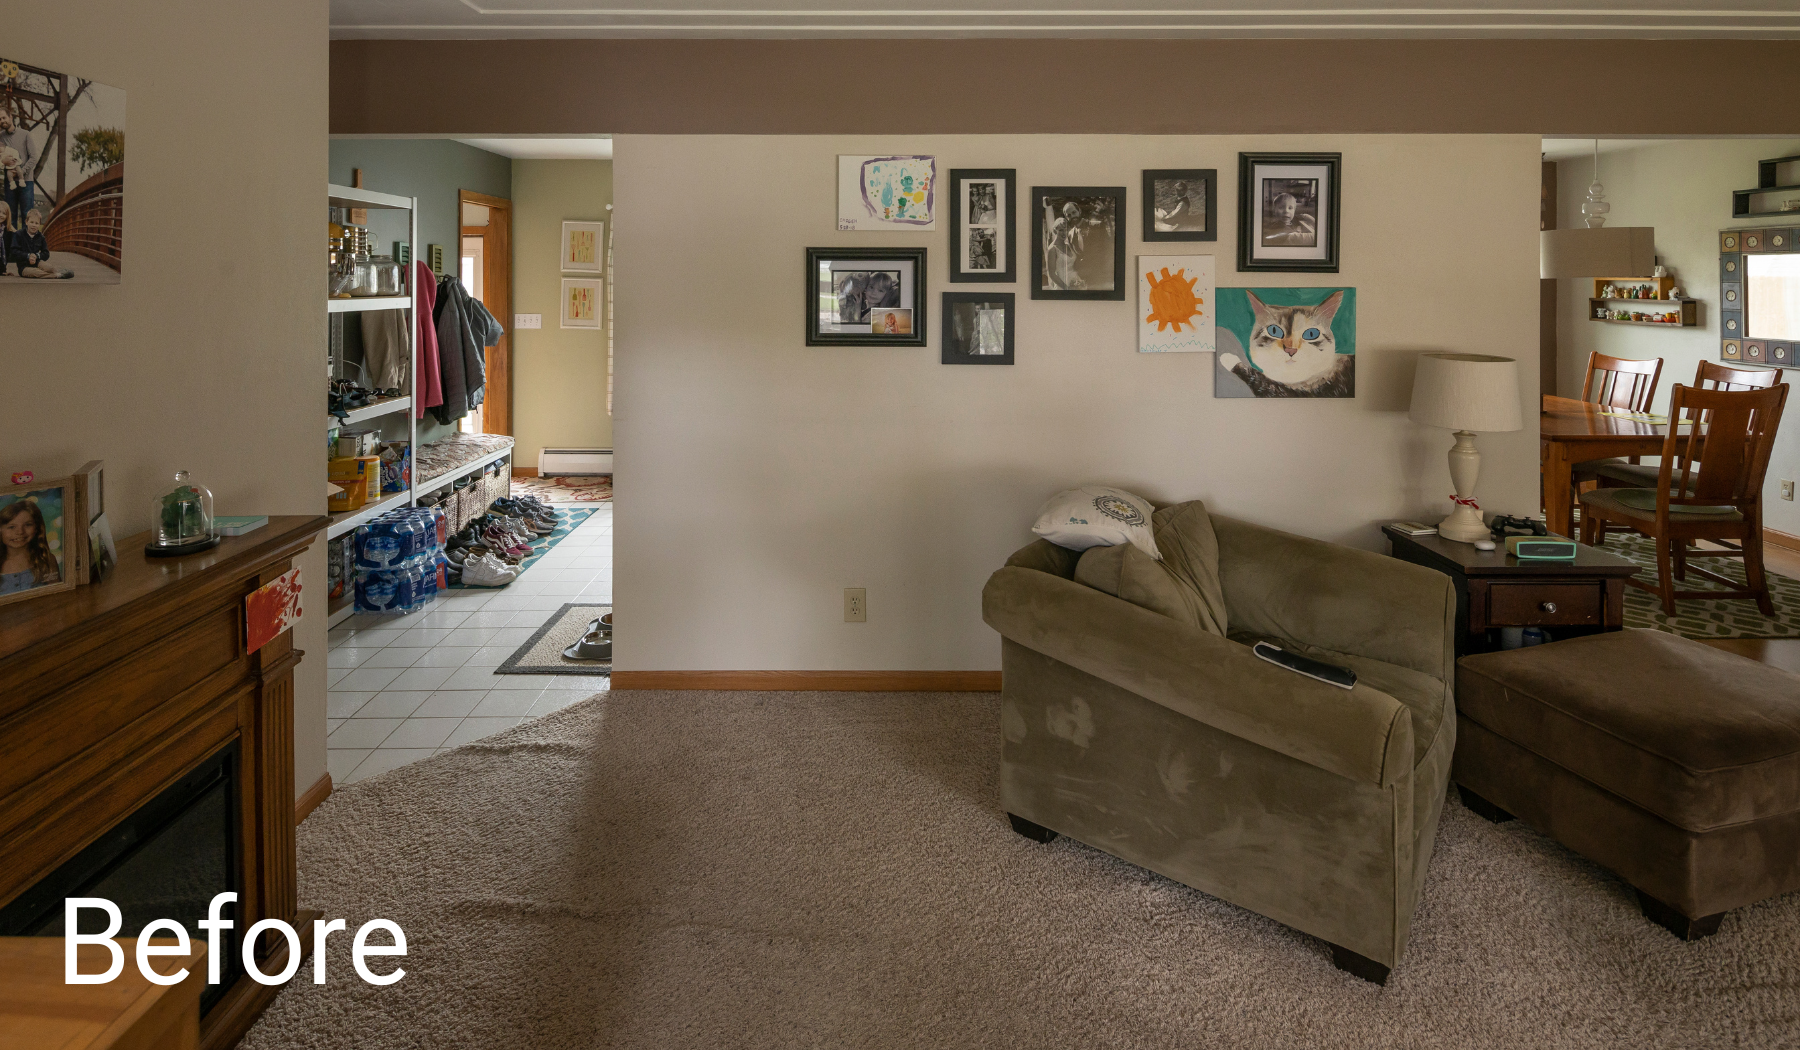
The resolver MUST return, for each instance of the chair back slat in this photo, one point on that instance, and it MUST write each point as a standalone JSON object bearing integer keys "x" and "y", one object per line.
{"x": 1711, "y": 376}
{"x": 1623, "y": 382}
{"x": 1731, "y": 434}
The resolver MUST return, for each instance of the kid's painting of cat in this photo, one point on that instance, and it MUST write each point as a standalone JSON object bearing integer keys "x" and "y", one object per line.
{"x": 1285, "y": 342}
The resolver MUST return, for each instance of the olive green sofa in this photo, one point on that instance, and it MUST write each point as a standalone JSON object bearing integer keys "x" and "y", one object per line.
{"x": 1159, "y": 738}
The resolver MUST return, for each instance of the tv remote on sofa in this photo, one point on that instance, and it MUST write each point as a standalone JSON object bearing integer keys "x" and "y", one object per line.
{"x": 1330, "y": 674}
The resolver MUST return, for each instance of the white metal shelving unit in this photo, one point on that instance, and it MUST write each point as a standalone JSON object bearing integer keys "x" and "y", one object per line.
{"x": 344, "y": 523}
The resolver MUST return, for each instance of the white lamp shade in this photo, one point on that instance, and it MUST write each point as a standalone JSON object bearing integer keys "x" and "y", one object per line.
{"x": 1610, "y": 251}
{"x": 1466, "y": 392}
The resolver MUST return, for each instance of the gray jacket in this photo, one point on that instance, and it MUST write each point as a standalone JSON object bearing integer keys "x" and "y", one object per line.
{"x": 464, "y": 330}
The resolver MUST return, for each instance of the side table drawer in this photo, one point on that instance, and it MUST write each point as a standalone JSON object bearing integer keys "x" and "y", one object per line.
{"x": 1543, "y": 604}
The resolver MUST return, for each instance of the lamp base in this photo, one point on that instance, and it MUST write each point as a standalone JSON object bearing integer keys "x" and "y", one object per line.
{"x": 1464, "y": 525}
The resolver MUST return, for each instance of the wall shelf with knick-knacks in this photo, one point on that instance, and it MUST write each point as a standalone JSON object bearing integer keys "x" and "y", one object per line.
{"x": 1642, "y": 300}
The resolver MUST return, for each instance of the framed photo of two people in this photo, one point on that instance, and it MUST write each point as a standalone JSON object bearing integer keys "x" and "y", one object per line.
{"x": 1288, "y": 211}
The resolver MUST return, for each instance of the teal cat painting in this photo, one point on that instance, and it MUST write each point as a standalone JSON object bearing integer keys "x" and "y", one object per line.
{"x": 1285, "y": 342}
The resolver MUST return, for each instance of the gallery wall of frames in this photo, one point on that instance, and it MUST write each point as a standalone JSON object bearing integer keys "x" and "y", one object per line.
{"x": 1282, "y": 342}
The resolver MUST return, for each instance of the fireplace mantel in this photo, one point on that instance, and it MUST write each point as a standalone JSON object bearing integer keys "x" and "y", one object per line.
{"x": 111, "y": 693}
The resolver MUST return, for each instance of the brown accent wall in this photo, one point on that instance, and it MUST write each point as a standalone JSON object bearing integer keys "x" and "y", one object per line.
{"x": 1556, "y": 87}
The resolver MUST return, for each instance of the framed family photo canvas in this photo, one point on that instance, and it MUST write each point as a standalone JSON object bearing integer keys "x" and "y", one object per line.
{"x": 43, "y": 538}
{"x": 887, "y": 193}
{"x": 865, "y": 297}
{"x": 62, "y": 176}
{"x": 1180, "y": 204}
{"x": 1077, "y": 246}
{"x": 1288, "y": 211}
{"x": 580, "y": 303}
{"x": 983, "y": 242}
{"x": 583, "y": 247}
{"x": 978, "y": 328}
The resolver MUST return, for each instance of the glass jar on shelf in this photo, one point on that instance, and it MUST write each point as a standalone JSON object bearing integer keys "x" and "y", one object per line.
{"x": 181, "y": 519}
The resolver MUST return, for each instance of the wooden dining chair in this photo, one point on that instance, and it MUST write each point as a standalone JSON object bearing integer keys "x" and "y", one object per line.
{"x": 1624, "y": 383}
{"x": 1708, "y": 487}
{"x": 1621, "y": 473}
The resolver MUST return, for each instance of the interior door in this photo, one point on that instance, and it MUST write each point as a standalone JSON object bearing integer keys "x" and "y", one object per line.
{"x": 487, "y": 236}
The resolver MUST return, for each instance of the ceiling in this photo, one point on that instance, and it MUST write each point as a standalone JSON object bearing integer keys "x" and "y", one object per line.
{"x": 479, "y": 19}
{"x": 547, "y": 147}
{"x": 1570, "y": 149}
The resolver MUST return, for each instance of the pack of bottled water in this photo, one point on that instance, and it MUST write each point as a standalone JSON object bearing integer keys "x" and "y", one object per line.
{"x": 400, "y": 561}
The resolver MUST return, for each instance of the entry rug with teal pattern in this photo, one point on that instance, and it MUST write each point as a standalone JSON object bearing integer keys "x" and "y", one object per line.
{"x": 1700, "y": 617}
{"x": 567, "y": 519}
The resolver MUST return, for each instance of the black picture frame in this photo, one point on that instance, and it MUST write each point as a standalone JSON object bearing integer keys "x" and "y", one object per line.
{"x": 815, "y": 294}
{"x": 1255, "y": 256}
{"x": 1208, "y": 177}
{"x": 1039, "y": 278}
{"x": 1008, "y": 226}
{"x": 949, "y": 354}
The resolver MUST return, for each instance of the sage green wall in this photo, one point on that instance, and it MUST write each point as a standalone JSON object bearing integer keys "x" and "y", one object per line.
{"x": 559, "y": 375}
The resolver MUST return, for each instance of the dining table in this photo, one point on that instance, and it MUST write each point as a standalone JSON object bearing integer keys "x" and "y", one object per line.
{"x": 1572, "y": 431}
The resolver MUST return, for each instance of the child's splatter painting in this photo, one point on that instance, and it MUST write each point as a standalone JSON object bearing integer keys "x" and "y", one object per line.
{"x": 885, "y": 193}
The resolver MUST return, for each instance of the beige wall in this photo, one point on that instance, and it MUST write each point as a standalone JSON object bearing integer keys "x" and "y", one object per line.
{"x": 209, "y": 356}
{"x": 1683, "y": 190}
{"x": 559, "y": 375}
{"x": 758, "y": 477}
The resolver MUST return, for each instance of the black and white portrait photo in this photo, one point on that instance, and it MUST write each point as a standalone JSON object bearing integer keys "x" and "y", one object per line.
{"x": 1180, "y": 206}
{"x": 983, "y": 253}
{"x": 984, "y": 204}
{"x": 1077, "y": 250}
{"x": 862, "y": 292}
{"x": 1290, "y": 213}
{"x": 978, "y": 328}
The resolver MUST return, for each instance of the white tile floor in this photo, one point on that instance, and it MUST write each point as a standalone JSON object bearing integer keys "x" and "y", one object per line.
{"x": 401, "y": 688}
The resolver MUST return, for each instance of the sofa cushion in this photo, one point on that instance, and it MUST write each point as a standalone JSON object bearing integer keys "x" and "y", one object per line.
{"x": 1422, "y": 694}
{"x": 1184, "y": 585}
{"x": 1702, "y": 738}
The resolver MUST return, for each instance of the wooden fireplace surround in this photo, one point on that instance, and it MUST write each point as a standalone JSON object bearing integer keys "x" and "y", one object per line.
{"x": 110, "y": 693}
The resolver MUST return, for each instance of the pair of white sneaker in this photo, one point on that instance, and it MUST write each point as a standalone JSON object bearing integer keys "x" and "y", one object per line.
{"x": 485, "y": 570}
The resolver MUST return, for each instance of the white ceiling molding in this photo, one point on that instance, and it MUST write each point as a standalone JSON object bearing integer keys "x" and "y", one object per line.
{"x": 478, "y": 19}
{"x": 545, "y": 147}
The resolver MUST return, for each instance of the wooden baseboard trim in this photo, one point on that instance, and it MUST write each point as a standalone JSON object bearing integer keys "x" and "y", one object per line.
{"x": 525, "y": 472}
{"x": 306, "y": 803}
{"x": 1781, "y": 539}
{"x": 827, "y": 681}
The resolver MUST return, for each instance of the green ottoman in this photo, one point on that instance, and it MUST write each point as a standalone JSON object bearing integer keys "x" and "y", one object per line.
{"x": 1670, "y": 762}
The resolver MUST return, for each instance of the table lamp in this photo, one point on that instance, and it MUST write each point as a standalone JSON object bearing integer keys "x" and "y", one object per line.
{"x": 1466, "y": 393}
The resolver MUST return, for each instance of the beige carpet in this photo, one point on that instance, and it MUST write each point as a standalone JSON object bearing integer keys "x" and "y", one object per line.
{"x": 673, "y": 870}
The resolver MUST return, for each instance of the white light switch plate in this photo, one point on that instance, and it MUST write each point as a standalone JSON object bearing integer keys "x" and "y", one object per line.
{"x": 528, "y": 320}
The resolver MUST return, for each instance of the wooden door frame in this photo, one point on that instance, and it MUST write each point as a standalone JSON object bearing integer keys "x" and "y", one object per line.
{"x": 496, "y": 295}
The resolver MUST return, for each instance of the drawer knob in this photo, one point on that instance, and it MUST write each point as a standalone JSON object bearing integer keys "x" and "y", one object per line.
{"x": 1548, "y": 607}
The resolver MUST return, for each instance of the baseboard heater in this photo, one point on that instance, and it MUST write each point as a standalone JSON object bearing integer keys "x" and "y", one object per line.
{"x": 552, "y": 461}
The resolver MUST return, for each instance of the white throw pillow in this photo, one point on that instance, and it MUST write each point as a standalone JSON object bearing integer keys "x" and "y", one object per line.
{"x": 1097, "y": 516}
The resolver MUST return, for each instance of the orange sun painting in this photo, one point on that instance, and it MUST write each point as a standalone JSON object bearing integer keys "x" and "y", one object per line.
{"x": 1172, "y": 300}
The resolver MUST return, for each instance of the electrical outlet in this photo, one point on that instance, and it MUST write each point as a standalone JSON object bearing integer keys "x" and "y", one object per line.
{"x": 1787, "y": 489}
{"x": 856, "y": 605}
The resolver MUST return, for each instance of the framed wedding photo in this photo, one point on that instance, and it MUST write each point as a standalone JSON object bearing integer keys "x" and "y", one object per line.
{"x": 1077, "y": 246}
{"x": 1288, "y": 211}
{"x": 983, "y": 242}
{"x": 978, "y": 328}
{"x": 865, "y": 297}
{"x": 43, "y": 538}
{"x": 1180, "y": 204}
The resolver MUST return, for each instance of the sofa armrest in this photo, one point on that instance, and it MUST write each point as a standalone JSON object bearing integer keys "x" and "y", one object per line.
{"x": 1338, "y": 598}
{"x": 1361, "y": 733}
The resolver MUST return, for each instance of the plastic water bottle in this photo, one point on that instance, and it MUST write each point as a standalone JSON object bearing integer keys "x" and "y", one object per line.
{"x": 383, "y": 591}
{"x": 377, "y": 545}
{"x": 1535, "y": 636}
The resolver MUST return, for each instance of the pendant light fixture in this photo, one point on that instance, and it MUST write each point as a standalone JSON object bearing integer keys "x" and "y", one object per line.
{"x": 1593, "y": 250}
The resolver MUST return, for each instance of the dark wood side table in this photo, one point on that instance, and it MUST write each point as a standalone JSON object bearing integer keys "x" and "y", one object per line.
{"x": 1494, "y": 589}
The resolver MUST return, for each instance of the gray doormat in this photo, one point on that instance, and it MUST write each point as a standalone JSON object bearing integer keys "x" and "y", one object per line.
{"x": 543, "y": 653}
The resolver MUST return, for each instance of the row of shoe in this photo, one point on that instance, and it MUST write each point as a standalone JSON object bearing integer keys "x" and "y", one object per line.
{"x": 489, "y": 551}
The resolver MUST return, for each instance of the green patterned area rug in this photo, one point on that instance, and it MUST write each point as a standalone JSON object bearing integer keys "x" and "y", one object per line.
{"x": 1700, "y": 618}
